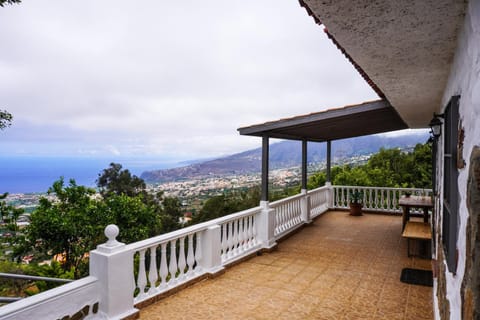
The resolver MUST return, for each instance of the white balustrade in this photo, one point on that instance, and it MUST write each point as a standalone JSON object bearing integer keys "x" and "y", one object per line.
{"x": 319, "y": 201}
{"x": 129, "y": 274}
{"x": 288, "y": 215}
{"x": 375, "y": 198}
{"x": 176, "y": 259}
{"x": 238, "y": 235}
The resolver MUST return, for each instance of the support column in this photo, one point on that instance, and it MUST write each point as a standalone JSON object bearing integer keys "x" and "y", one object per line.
{"x": 304, "y": 164}
{"x": 329, "y": 160}
{"x": 265, "y": 155}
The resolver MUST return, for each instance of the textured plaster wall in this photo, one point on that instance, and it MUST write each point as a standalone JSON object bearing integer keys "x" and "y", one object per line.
{"x": 464, "y": 80}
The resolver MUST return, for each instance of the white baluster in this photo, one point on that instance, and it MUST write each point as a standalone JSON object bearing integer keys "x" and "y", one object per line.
{"x": 163, "y": 265}
{"x": 254, "y": 230}
{"x": 198, "y": 252}
{"x": 190, "y": 255}
{"x": 245, "y": 233}
{"x": 370, "y": 201}
{"x": 173, "y": 262}
{"x": 337, "y": 200}
{"x": 235, "y": 237}
{"x": 224, "y": 243}
{"x": 152, "y": 271}
{"x": 240, "y": 235}
{"x": 282, "y": 217}
{"x": 278, "y": 220}
{"x": 388, "y": 200}
{"x": 181, "y": 259}
{"x": 251, "y": 238}
{"x": 299, "y": 211}
{"x": 142, "y": 276}
{"x": 230, "y": 239}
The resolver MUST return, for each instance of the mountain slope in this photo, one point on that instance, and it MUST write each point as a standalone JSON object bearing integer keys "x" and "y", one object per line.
{"x": 284, "y": 154}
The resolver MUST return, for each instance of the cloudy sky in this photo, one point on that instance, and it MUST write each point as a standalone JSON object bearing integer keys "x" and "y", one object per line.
{"x": 167, "y": 79}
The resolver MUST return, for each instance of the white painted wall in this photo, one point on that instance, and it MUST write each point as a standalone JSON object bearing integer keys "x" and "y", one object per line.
{"x": 464, "y": 80}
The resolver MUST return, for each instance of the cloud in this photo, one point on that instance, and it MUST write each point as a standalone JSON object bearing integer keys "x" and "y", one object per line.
{"x": 163, "y": 77}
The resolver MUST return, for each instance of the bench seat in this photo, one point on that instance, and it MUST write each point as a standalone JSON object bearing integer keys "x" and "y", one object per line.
{"x": 417, "y": 231}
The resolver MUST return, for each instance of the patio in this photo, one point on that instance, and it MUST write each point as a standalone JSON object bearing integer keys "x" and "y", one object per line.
{"x": 338, "y": 267}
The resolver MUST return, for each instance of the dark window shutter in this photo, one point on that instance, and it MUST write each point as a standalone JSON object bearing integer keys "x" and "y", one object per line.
{"x": 450, "y": 184}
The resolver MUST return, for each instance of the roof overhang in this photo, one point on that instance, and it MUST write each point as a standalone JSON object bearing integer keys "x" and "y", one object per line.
{"x": 350, "y": 121}
{"x": 404, "y": 49}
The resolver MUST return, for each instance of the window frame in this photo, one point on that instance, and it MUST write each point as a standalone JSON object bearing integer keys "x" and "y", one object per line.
{"x": 450, "y": 183}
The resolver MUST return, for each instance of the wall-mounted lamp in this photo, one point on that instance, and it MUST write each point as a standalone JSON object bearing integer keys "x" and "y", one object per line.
{"x": 436, "y": 125}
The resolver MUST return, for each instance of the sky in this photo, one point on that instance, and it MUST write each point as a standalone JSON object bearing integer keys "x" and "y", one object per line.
{"x": 165, "y": 79}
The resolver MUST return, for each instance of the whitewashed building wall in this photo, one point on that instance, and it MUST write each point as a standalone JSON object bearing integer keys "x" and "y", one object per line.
{"x": 464, "y": 80}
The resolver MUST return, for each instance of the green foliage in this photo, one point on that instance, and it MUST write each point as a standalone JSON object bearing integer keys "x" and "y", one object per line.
{"x": 9, "y": 214}
{"x": 2, "y": 2}
{"x": 5, "y": 117}
{"x": 170, "y": 214}
{"x": 135, "y": 219}
{"x": 389, "y": 168}
{"x": 115, "y": 181}
{"x": 70, "y": 226}
{"x": 21, "y": 288}
{"x": 317, "y": 180}
{"x": 353, "y": 176}
{"x": 228, "y": 203}
{"x": 356, "y": 196}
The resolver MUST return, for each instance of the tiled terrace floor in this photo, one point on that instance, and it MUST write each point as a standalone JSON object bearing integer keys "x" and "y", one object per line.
{"x": 340, "y": 267}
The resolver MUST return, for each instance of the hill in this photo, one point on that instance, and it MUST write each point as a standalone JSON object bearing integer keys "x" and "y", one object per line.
{"x": 283, "y": 155}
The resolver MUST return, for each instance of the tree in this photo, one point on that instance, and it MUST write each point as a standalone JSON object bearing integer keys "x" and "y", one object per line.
{"x": 228, "y": 203}
{"x": 69, "y": 227}
{"x": 9, "y": 214}
{"x": 387, "y": 168}
{"x": 5, "y": 117}
{"x": 135, "y": 219}
{"x": 115, "y": 181}
{"x": 2, "y": 2}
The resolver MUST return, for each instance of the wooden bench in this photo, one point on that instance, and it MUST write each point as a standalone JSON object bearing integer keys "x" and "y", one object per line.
{"x": 417, "y": 231}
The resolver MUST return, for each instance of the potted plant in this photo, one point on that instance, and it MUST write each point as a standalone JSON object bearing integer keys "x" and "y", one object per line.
{"x": 356, "y": 203}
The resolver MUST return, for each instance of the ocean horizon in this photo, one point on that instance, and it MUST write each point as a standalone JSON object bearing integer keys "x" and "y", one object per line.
{"x": 37, "y": 174}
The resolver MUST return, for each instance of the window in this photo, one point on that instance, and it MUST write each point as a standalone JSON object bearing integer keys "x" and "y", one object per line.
{"x": 450, "y": 184}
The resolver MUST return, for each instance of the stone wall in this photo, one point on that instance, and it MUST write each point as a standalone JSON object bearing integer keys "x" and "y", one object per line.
{"x": 471, "y": 280}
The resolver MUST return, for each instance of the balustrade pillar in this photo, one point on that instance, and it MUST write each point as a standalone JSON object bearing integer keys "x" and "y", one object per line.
{"x": 266, "y": 226}
{"x": 112, "y": 265}
{"x": 305, "y": 206}
{"x": 211, "y": 260}
{"x": 330, "y": 195}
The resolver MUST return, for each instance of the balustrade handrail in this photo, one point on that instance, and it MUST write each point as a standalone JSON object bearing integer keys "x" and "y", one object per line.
{"x": 285, "y": 200}
{"x": 425, "y": 190}
{"x": 322, "y": 188}
{"x": 143, "y": 244}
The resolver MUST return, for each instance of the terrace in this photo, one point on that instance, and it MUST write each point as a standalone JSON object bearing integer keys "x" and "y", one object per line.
{"x": 338, "y": 267}
{"x": 316, "y": 262}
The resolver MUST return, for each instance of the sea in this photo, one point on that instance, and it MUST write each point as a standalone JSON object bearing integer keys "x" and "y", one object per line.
{"x": 37, "y": 174}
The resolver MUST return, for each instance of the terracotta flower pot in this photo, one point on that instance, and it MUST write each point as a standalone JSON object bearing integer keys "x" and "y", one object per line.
{"x": 356, "y": 209}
